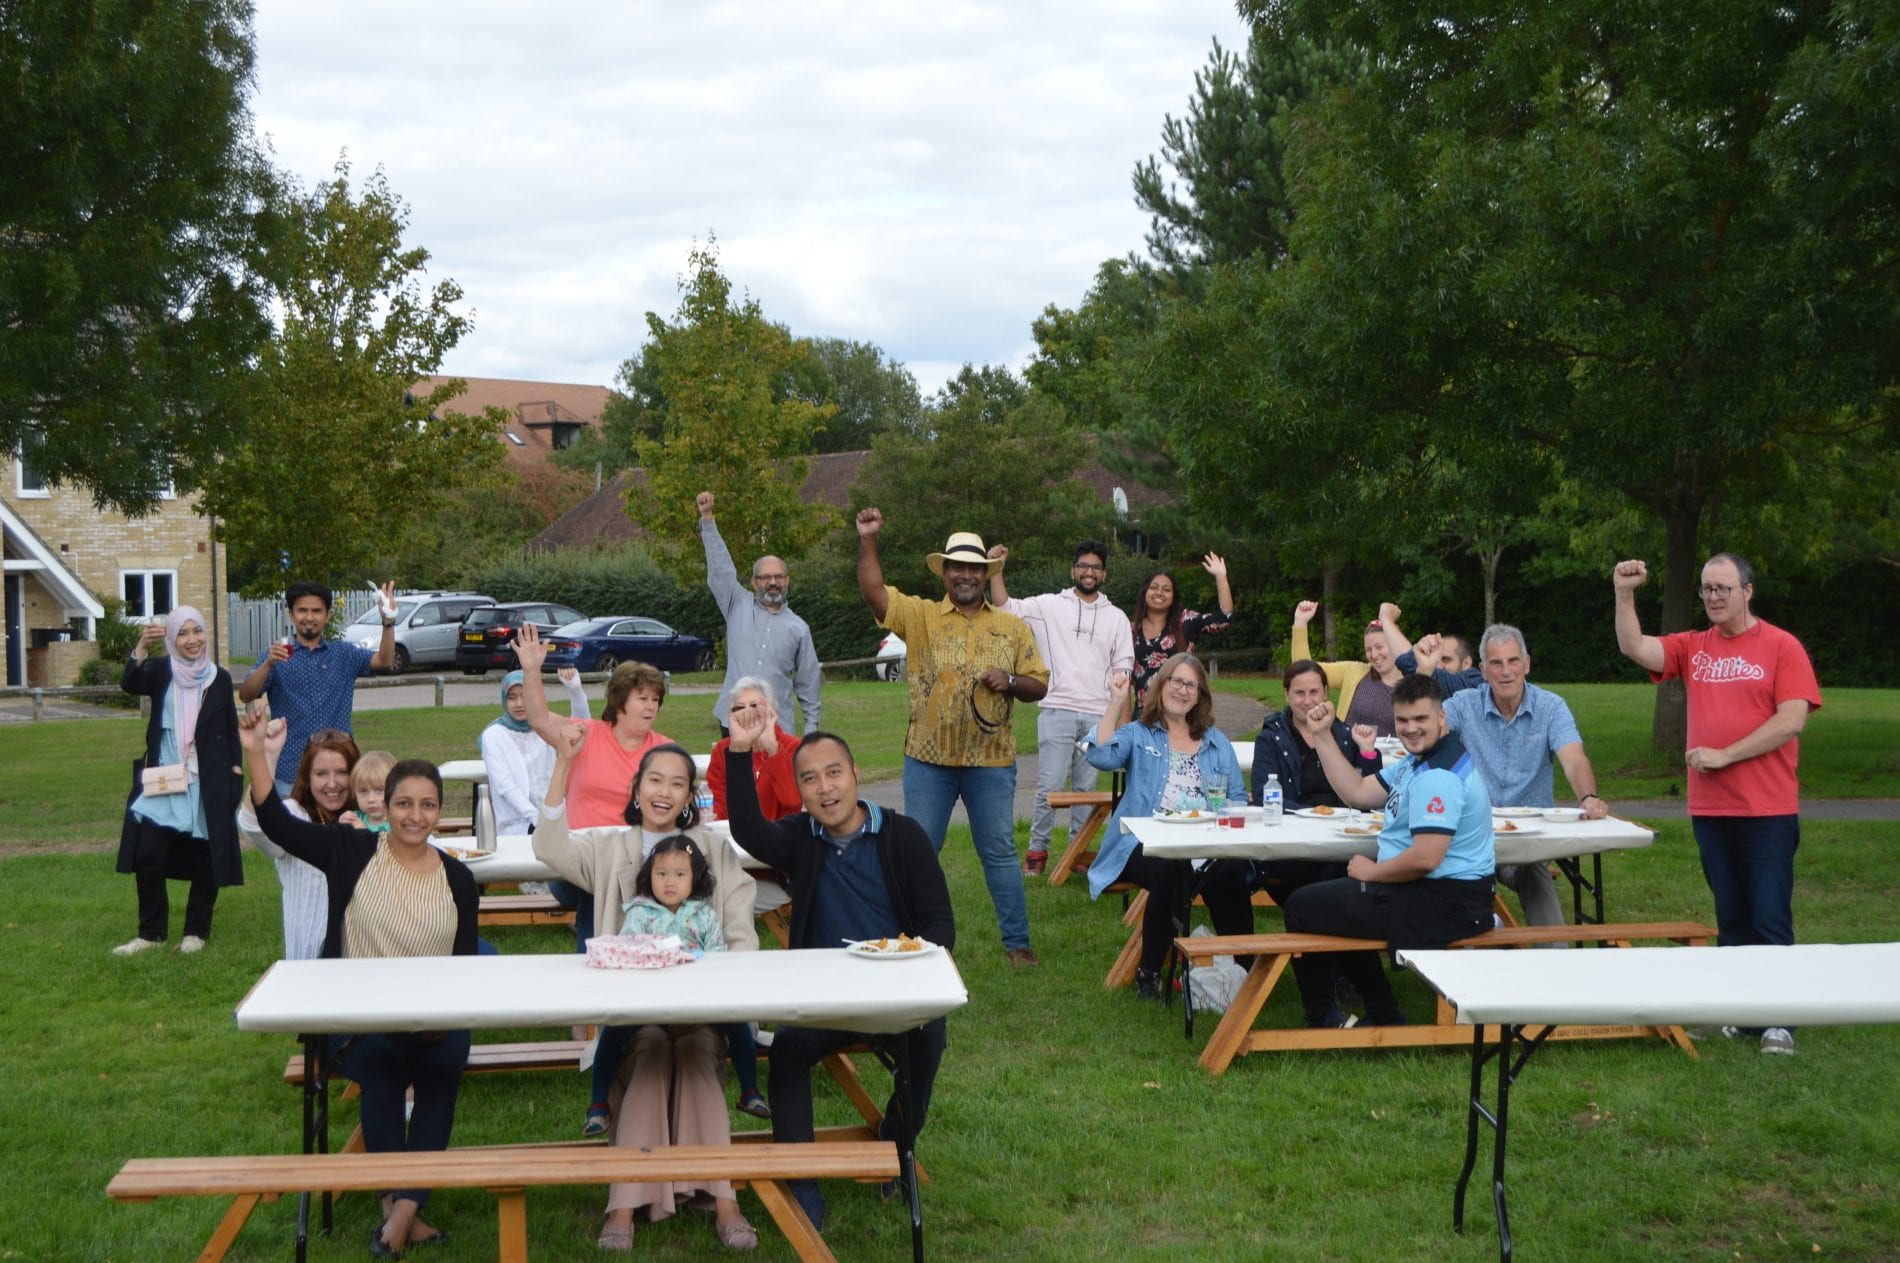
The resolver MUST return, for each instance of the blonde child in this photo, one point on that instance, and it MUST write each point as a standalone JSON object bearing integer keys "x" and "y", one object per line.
{"x": 367, "y": 781}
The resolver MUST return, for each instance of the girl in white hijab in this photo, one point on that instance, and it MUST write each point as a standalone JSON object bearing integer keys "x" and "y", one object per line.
{"x": 180, "y": 822}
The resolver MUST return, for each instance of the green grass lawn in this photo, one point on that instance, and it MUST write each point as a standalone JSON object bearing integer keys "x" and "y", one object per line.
{"x": 1069, "y": 1122}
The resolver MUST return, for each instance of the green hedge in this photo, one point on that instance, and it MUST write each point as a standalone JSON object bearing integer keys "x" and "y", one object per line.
{"x": 1569, "y": 622}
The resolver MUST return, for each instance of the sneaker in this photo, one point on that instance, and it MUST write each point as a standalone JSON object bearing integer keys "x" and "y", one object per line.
{"x": 1021, "y": 957}
{"x": 753, "y": 1102}
{"x": 1147, "y": 984}
{"x": 1778, "y": 1039}
{"x": 1035, "y": 862}
{"x": 137, "y": 945}
{"x": 189, "y": 944}
{"x": 1335, "y": 1020}
{"x": 595, "y": 1123}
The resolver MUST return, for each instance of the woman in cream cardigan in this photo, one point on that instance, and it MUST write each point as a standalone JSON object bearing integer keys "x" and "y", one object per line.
{"x": 674, "y": 1093}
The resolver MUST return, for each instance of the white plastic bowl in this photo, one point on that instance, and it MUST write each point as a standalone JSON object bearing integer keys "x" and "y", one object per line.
{"x": 1564, "y": 815}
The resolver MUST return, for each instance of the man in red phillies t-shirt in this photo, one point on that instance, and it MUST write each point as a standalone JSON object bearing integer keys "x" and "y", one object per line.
{"x": 1750, "y": 690}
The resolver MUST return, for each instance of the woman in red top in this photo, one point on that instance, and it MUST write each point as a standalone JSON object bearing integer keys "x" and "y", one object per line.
{"x": 771, "y": 758}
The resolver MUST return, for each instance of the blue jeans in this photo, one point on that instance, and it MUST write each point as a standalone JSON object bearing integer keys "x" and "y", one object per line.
{"x": 1749, "y": 864}
{"x": 931, "y": 790}
{"x": 568, "y": 895}
{"x": 385, "y": 1067}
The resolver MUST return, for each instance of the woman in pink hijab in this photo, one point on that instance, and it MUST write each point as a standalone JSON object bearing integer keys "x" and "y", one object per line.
{"x": 181, "y": 822}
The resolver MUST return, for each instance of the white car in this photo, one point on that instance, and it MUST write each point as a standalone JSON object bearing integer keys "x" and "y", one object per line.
{"x": 891, "y": 654}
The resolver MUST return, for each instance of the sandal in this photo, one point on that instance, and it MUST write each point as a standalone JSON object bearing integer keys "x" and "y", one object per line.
{"x": 753, "y": 1102}
{"x": 596, "y": 1121}
{"x": 616, "y": 1238}
{"x": 739, "y": 1236}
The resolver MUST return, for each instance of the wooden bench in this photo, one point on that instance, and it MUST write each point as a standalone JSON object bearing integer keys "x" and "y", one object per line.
{"x": 1077, "y": 855}
{"x": 509, "y": 1171}
{"x": 523, "y": 910}
{"x": 1122, "y": 972}
{"x": 1235, "y": 1036}
{"x": 565, "y": 1054}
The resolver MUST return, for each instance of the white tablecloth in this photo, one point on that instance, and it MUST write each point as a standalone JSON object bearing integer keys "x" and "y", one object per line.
{"x": 827, "y": 988}
{"x": 1811, "y": 984}
{"x": 1314, "y": 838}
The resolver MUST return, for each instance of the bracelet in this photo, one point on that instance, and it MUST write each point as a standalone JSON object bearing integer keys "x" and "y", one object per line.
{"x": 1587, "y": 797}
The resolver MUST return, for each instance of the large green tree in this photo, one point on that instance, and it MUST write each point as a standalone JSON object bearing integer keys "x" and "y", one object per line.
{"x": 720, "y": 422}
{"x": 130, "y": 212}
{"x": 1656, "y": 242}
{"x": 994, "y": 457}
{"x": 346, "y": 467}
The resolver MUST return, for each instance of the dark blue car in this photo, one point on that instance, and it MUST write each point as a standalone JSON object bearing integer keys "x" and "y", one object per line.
{"x": 601, "y": 644}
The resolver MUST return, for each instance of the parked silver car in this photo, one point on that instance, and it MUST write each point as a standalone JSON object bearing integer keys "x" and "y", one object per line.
{"x": 426, "y": 626}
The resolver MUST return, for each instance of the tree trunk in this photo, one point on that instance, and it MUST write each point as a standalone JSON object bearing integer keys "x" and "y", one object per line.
{"x": 1488, "y": 559}
{"x": 1329, "y": 625}
{"x": 1682, "y": 571}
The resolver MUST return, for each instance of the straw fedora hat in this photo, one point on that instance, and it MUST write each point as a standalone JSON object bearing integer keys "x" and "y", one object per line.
{"x": 964, "y": 546}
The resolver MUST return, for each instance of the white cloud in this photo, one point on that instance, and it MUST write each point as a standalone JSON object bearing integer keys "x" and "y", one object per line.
{"x": 927, "y": 179}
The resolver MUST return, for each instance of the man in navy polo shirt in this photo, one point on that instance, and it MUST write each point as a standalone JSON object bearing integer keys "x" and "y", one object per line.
{"x": 858, "y": 872}
{"x": 1432, "y": 880}
{"x": 311, "y": 681}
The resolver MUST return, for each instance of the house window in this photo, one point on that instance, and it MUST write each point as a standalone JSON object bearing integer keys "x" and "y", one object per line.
{"x": 29, "y": 481}
{"x": 564, "y": 436}
{"x": 148, "y": 594}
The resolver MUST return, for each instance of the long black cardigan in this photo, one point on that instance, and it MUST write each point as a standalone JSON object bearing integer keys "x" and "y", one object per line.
{"x": 220, "y": 769}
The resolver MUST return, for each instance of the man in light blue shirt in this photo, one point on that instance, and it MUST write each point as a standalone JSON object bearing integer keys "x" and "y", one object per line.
{"x": 764, "y": 638}
{"x": 1518, "y": 732}
{"x": 1431, "y": 883}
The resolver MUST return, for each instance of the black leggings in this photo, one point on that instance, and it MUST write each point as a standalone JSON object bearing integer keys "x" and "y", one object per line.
{"x": 152, "y": 855}
{"x": 1162, "y": 880}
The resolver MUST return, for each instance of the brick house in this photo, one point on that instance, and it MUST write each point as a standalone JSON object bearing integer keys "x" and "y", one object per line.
{"x": 62, "y": 555}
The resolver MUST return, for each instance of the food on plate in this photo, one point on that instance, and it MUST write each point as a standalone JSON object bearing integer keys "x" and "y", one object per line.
{"x": 1323, "y": 810}
{"x": 1360, "y": 831}
{"x": 890, "y": 946}
{"x": 1507, "y": 827}
{"x": 463, "y": 853}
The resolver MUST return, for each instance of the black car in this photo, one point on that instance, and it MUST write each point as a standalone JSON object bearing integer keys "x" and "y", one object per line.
{"x": 486, "y": 640}
{"x": 601, "y": 644}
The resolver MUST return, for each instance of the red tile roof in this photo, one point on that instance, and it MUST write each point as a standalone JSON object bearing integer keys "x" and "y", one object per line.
{"x": 536, "y": 410}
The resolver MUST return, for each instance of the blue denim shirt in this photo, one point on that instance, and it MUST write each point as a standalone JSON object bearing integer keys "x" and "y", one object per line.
{"x": 1143, "y": 753}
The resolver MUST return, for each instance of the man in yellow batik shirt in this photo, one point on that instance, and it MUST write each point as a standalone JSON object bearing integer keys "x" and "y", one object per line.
{"x": 968, "y": 662}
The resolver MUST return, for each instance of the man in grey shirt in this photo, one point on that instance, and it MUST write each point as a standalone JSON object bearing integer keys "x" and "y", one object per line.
{"x": 763, "y": 637}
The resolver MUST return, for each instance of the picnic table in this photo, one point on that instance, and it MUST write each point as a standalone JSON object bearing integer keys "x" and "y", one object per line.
{"x": 1508, "y": 993}
{"x": 1308, "y": 837}
{"x": 820, "y": 987}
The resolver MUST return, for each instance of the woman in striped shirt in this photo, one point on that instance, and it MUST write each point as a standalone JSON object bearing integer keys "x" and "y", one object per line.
{"x": 390, "y": 894}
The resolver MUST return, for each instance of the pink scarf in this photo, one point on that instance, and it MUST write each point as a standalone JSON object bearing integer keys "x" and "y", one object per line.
{"x": 189, "y": 678}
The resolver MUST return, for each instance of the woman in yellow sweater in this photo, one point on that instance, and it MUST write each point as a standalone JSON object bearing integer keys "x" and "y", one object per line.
{"x": 1365, "y": 688}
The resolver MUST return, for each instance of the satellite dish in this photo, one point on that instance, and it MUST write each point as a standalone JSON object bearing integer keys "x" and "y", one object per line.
{"x": 1120, "y": 498}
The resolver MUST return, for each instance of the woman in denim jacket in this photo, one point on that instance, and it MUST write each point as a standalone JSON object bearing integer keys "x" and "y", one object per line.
{"x": 1170, "y": 750}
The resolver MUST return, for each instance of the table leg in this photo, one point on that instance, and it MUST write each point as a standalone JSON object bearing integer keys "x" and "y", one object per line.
{"x": 1572, "y": 867}
{"x": 907, "y": 1147}
{"x": 1511, "y": 1039}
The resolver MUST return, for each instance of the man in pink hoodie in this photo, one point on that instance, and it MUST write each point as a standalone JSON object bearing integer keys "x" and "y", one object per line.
{"x": 1084, "y": 638}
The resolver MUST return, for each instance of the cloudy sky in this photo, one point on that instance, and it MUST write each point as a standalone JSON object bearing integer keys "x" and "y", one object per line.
{"x": 925, "y": 177}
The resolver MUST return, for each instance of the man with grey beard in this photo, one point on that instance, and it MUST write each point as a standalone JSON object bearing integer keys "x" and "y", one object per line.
{"x": 763, "y": 637}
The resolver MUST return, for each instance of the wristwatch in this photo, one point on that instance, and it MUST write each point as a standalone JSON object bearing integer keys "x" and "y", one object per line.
{"x": 1011, "y": 686}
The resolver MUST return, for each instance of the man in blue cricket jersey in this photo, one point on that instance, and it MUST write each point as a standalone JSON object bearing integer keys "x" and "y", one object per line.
{"x": 1433, "y": 878}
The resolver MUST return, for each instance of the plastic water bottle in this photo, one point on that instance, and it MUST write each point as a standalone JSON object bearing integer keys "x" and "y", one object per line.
{"x": 1271, "y": 801}
{"x": 704, "y": 801}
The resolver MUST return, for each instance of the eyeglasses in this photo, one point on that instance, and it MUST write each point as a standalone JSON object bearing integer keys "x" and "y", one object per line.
{"x": 769, "y": 578}
{"x": 1091, "y": 567}
{"x": 1183, "y": 682}
{"x": 1717, "y": 591}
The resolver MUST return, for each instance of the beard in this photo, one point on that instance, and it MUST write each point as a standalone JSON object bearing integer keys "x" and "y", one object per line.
{"x": 772, "y": 598}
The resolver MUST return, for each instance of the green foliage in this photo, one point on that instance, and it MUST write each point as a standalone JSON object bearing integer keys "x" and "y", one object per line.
{"x": 1230, "y": 150}
{"x": 131, "y": 213}
{"x": 723, "y": 428}
{"x": 116, "y": 637}
{"x": 998, "y": 459}
{"x": 345, "y": 468}
{"x": 870, "y": 394}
